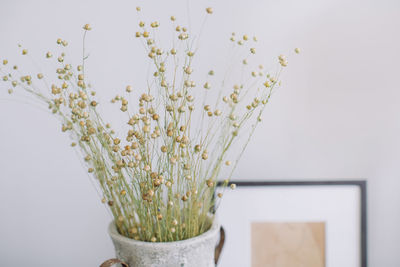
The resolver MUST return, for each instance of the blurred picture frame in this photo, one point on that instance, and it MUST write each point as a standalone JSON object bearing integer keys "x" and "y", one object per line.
{"x": 294, "y": 223}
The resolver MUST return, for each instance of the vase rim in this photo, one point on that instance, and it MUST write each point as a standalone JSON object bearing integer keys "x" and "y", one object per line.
{"x": 210, "y": 233}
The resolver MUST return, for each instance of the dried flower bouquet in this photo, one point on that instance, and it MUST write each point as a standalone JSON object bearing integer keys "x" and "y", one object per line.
{"x": 159, "y": 178}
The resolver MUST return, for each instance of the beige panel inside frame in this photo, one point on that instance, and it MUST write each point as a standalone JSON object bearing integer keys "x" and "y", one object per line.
{"x": 284, "y": 244}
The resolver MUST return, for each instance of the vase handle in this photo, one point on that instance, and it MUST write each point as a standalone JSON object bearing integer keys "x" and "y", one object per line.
{"x": 111, "y": 262}
{"x": 218, "y": 248}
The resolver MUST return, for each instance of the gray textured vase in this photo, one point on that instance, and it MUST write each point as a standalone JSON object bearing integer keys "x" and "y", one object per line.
{"x": 194, "y": 252}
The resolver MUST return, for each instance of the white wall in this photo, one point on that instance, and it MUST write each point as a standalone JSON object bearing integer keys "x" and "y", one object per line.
{"x": 337, "y": 115}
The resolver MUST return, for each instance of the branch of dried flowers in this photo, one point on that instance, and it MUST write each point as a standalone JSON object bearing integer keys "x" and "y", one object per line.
{"x": 159, "y": 183}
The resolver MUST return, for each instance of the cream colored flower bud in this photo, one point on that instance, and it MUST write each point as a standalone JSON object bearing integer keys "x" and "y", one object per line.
{"x": 253, "y": 50}
{"x": 154, "y": 24}
{"x": 146, "y": 129}
{"x": 283, "y": 63}
{"x": 197, "y": 148}
{"x": 87, "y": 27}
{"x": 135, "y": 145}
{"x": 150, "y": 192}
{"x": 181, "y": 109}
{"x": 209, "y": 10}
{"x": 133, "y": 230}
{"x": 117, "y": 141}
{"x": 188, "y": 70}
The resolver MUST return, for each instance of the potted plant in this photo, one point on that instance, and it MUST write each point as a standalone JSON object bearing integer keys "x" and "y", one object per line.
{"x": 159, "y": 178}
